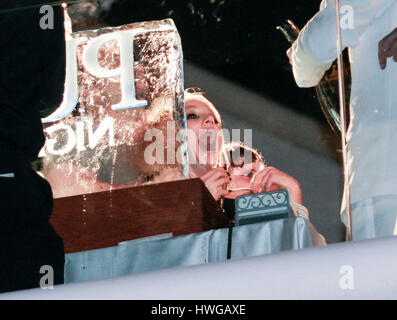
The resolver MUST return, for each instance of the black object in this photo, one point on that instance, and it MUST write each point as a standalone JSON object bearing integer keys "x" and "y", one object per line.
{"x": 255, "y": 208}
{"x": 32, "y": 64}
{"x": 229, "y": 240}
{"x": 27, "y": 240}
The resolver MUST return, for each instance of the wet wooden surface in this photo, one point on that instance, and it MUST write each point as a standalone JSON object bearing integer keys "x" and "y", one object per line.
{"x": 104, "y": 219}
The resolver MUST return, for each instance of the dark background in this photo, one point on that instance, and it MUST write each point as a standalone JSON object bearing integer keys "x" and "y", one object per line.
{"x": 236, "y": 39}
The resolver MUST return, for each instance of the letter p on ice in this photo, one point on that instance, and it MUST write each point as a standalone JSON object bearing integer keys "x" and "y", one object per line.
{"x": 125, "y": 70}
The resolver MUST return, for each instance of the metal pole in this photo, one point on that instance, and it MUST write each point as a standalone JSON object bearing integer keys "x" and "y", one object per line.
{"x": 342, "y": 111}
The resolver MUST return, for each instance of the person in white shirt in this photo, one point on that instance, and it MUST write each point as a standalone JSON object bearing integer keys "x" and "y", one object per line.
{"x": 372, "y": 134}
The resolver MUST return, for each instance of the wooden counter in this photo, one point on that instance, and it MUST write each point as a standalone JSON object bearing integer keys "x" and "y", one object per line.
{"x": 104, "y": 219}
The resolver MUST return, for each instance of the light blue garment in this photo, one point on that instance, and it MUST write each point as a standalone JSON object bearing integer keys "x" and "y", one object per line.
{"x": 372, "y": 134}
{"x": 162, "y": 251}
{"x": 373, "y": 217}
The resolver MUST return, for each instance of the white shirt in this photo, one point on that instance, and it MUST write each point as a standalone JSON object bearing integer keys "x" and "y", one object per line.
{"x": 372, "y": 135}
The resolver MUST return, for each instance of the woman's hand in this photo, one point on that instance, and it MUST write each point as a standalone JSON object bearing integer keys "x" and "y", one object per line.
{"x": 272, "y": 179}
{"x": 216, "y": 180}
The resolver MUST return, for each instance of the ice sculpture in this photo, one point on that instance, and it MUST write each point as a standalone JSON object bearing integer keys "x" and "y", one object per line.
{"x": 122, "y": 84}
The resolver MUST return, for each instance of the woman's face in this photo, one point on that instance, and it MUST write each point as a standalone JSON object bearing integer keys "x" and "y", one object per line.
{"x": 205, "y": 136}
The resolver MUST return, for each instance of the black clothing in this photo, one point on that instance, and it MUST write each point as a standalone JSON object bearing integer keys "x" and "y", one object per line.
{"x": 27, "y": 240}
{"x": 32, "y": 72}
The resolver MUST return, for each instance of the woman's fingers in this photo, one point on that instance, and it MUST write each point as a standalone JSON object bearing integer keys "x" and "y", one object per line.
{"x": 216, "y": 181}
{"x": 256, "y": 179}
{"x": 270, "y": 180}
{"x": 281, "y": 180}
{"x": 218, "y": 187}
{"x": 222, "y": 193}
{"x": 259, "y": 180}
{"x": 216, "y": 172}
{"x": 274, "y": 179}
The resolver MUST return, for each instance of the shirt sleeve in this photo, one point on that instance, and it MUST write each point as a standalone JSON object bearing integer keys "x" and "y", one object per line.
{"x": 299, "y": 210}
{"x": 315, "y": 48}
